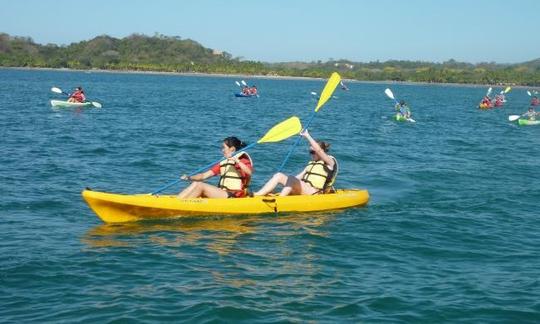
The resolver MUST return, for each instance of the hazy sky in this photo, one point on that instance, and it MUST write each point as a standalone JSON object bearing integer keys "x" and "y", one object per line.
{"x": 301, "y": 30}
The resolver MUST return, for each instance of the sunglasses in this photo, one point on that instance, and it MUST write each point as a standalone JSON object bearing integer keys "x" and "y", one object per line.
{"x": 311, "y": 152}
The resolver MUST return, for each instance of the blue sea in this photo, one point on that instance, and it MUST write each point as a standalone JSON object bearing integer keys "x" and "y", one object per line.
{"x": 451, "y": 232}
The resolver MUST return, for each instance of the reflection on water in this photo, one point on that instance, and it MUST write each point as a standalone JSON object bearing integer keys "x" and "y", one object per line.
{"x": 221, "y": 233}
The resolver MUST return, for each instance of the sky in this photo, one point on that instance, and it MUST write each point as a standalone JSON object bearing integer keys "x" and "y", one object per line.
{"x": 299, "y": 30}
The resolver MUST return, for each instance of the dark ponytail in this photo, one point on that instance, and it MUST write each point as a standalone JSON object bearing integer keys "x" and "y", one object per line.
{"x": 233, "y": 141}
{"x": 325, "y": 146}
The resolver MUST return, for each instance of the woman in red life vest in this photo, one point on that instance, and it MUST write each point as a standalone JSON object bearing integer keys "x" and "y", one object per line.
{"x": 317, "y": 177}
{"x": 253, "y": 90}
{"x": 486, "y": 102}
{"x": 77, "y": 96}
{"x": 499, "y": 100}
{"x": 235, "y": 175}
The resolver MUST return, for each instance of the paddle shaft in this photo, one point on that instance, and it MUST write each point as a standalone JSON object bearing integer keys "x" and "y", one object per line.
{"x": 293, "y": 146}
{"x": 200, "y": 170}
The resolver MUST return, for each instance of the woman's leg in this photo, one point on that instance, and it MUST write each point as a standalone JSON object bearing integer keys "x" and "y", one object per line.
{"x": 293, "y": 186}
{"x": 278, "y": 178}
{"x": 201, "y": 189}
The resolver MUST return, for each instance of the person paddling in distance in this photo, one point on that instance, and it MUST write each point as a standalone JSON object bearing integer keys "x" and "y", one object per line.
{"x": 499, "y": 100}
{"x": 235, "y": 174}
{"x": 317, "y": 177}
{"x": 403, "y": 109}
{"x": 530, "y": 114}
{"x": 77, "y": 96}
{"x": 535, "y": 101}
{"x": 253, "y": 90}
{"x": 486, "y": 102}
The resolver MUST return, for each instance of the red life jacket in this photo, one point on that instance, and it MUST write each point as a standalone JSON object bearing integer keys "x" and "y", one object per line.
{"x": 78, "y": 96}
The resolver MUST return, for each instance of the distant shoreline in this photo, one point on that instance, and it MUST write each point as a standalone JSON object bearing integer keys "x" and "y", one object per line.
{"x": 269, "y": 77}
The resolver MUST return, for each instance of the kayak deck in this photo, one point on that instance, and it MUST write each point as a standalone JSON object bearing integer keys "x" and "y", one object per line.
{"x": 527, "y": 122}
{"x": 118, "y": 208}
{"x": 66, "y": 104}
{"x": 400, "y": 118}
{"x": 241, "y": 95}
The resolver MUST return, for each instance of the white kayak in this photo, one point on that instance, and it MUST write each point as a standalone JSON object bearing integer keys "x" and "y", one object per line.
{"x": 67, "y": 104}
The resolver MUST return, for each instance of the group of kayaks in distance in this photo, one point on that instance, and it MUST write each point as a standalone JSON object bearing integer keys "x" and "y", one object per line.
{"x": 310, "y": 190}
{"x": 246, "y": 91}
{"x": 525, "y": 119}
{"x": 499, "y": 100}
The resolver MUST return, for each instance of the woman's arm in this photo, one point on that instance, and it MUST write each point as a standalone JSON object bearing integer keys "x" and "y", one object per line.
{"x": 322, "y": 154}
{"x": 242, "y": 165}
{"x": 199, "y": 176}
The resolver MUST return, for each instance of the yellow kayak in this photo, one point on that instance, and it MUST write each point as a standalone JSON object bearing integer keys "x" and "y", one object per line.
{"x": 118, "y": 208}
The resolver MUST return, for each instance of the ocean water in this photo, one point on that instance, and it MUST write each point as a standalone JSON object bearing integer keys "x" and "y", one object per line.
{"x": 451, "y": 233}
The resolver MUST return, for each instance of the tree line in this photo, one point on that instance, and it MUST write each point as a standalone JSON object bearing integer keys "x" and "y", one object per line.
{"x": 173, "y": 54}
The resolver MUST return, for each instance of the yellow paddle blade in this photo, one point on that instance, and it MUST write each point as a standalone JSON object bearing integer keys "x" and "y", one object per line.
{"x": 329, "y": 88}
{"x": 283, "y": 130}
{"x": 507, "y": 89}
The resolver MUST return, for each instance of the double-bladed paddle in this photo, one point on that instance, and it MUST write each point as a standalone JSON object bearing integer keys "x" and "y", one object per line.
{"x": 326, "y": 94}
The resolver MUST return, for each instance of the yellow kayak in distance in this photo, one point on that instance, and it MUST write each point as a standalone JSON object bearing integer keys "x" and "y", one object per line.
{"x": 120, "y": 208}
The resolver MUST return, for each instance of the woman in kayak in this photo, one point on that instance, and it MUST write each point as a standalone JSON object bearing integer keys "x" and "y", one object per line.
{"x": 77, "y": 96}
{"x": 486, "y": 102}
{"x": 235, "y": 172}
{"x": 317, "y": 177}
{"x": 253, "y": 90}
{"x": 530, "y": 114}
{"x": 498, "y": 101}
{"x": 403, "y": 109}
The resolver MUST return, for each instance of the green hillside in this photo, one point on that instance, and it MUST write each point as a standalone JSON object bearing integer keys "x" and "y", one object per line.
{"x": 174, "y": 54}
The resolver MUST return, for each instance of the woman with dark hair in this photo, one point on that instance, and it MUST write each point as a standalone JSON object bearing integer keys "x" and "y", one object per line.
{"x": 235, "y": 171}
{"x": 317, "y": 177}
{"x": 535, "y": 101}
{"x": 77, "y": 96}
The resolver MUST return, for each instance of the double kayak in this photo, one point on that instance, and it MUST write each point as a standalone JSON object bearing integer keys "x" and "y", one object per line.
{"x": 241, "y": 95}
{"x": 527, "y": 122}
{"x": 66, "y": 104}
{"x": 120, "y": 208}
{"x": 401, "y": 118}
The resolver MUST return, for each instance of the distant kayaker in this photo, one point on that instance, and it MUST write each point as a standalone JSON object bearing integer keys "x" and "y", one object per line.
{"x": 486, "y": 102}
{"x": 403, "y": 109}
{"x": 530, "y": 114}
{"x": 253, "y": 90}
{"x": 317, "y": 177}
{"x": 535, "y": 101}
{"x": 499, "y": 100}
{"x": 235, "y": 172}
{"x": 77, "y": 96}
{"x": 245, "y": 90}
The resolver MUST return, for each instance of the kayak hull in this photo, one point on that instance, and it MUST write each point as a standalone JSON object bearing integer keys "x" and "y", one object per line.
{"x": 241, "y": 95}
{"x": 526, "y": 122}
{"x": 400, "y": 118}
{"x": 66, "y": 104}
{"x": 119, "y": 208}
